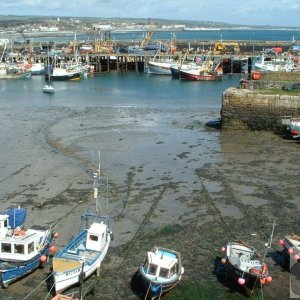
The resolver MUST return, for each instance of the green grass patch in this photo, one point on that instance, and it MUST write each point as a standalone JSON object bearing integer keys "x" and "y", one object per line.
{"x": 278, "y": 92}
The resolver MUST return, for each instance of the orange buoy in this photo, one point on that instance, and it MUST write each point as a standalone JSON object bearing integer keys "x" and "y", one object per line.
{"x": 52, "y": 249}
{"x": 43, "y": 259}
{"x": 269, "y": 279}
{"x": 256, "y": 75}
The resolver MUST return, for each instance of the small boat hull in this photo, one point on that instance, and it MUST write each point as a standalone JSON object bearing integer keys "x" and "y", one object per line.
{"x": 64, "y": 77}
{"x": 175, "y": 72}
{"x": 199, "y": 77}
{"x": 48, "y": 89}
{"x": 161, "y": 271}
{"x": 159, "y": 68}
{"x": 155, "y": 290}
{"x": 251, "y": 281}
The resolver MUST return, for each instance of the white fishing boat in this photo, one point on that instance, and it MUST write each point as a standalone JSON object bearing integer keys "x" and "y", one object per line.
{"x": 275, "y": 64}
{"x": 160, "y": 64}
{"x": 13, "y": 71}
{"x": 161, "y": 271}
{"x": 246, "y": 265}
{"x": 22, "y": 250}
{"x": 83, "y": 255}
{"x": 291, "y": 247}
{"x": 37, "y": 68}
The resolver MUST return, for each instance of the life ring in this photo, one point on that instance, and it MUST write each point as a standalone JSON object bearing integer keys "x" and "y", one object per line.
{"x": 255, "y": 75}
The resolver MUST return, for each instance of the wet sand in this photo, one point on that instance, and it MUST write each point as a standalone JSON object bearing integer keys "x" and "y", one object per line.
{"x": 171, "y": 182}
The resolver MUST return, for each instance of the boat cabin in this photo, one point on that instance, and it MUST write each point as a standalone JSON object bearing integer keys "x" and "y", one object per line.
{"x": 96, "y": 236}
{"x": 161, "y": 264}
{"x": 17, "y": 244}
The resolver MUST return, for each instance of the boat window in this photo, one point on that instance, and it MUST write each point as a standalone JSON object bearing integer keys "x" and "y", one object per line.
{"x": 5, "y": 224}
{"x": 30, "y": 247}
{"x": 146, "y": 264}
{"x": 93, "y": 238}
{"x": 152, "y": 269}
{"x": 19, "y": 249}
{"x": 173, "y": 270}
{"x": 6, "y": 248}
{"x": 163, "y": 272}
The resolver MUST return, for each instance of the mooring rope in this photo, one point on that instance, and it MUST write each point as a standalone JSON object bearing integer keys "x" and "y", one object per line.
{"x": 38, "y": 286}
{"x": 50, "y": 290}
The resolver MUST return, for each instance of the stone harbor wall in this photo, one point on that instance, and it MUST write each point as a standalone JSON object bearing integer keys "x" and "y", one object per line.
{"x": 244, "y": 109}
{"x": 272, "y": 80}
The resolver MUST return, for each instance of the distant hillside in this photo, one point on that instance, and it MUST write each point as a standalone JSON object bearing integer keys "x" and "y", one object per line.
{"x": 8, "y": 20}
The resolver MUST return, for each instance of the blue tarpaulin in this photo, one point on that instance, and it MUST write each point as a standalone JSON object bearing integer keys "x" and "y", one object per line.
{"x": 17, "y": 216}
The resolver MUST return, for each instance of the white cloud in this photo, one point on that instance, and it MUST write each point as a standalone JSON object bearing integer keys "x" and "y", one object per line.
{"x": 259, "y": 12}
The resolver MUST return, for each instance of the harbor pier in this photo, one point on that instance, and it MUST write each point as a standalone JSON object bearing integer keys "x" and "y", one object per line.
{"x": 261, "y": 104}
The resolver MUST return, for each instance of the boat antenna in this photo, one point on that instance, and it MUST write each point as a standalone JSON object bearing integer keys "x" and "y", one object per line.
{"x": 97, "y": 177}
{"x": 268, "y": 245}
{"x": 107, "y": 193}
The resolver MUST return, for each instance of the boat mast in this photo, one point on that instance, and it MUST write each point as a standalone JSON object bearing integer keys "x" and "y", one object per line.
{"x": 97, "y": 177}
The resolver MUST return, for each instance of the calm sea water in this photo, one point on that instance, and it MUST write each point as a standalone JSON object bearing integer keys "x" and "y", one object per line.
{"x": 202, "y": 35}
{"x": 117, "y": 89}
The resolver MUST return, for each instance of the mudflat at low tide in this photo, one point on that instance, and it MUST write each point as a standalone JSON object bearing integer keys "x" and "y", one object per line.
{"x": 167, "y": 180}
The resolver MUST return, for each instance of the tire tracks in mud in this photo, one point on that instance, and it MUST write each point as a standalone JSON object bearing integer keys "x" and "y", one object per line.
{"x": 251, "y": 215}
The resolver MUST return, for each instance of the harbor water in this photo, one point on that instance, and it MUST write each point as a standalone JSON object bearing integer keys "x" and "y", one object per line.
{"x": 117, "y": 89}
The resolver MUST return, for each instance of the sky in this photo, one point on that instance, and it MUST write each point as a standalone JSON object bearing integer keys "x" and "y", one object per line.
{"x": 253, "y": 12}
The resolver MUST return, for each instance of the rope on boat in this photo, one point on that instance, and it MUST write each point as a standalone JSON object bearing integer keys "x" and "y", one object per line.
{"x": 262, "y": 293}
{"x": 50, "y": 290}
{"x": 147, "y": 291}
{"x": 38, "y": 286}
{"x": 160, "y": 292}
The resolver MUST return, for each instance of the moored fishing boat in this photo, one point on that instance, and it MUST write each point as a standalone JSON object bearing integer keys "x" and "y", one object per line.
{"x": 245, "y": 265}
{"x": 22, "y": 251}
{"x": 291, "y": 127}
{"x": 159, "y": 68}
{"x": 83, "y": 255}
{"x": 291, "y": 247}
{"x": 161, "y": 271}
{"x": 208, "y": 71}
{"x": 37, "y": 69}
{"x": 11, "y": 71}
{"x": 63, "y": 74}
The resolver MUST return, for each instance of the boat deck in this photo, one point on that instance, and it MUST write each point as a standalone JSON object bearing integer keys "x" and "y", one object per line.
{"x": 73, "y": 259}
{"x": 62, "y": 264}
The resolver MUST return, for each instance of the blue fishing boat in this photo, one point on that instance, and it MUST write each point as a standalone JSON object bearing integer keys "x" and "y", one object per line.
{"x": 161, "y": 271}
{"x": 22, "y": 251}
{"x": 83, "y": 255}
